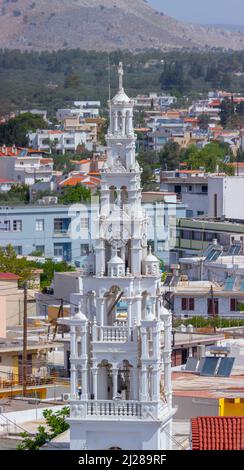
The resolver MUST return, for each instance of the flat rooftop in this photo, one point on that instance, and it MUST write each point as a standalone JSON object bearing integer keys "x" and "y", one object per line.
{"x": 186, "y": 384}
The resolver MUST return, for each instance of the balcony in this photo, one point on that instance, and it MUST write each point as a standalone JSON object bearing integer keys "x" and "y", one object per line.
{"x": 114, "y": 334}
{"x": 61, "y": 233}
{"x": 115, "y": 408}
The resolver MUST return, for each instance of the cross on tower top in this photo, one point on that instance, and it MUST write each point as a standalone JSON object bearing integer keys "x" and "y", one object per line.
{"x": 121, "y": 74}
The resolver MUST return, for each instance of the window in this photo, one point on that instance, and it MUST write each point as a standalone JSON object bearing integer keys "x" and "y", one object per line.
{"x": 5, "y": 226}
{"x": 187, "y": 235}
{"x": 188, "y": 304}
{"x": 61, "y": 225}
{"x": 200, "y": 212}
{"x": 40, "y": 249}
{"x": 204, "y": 189}
{"x": 39, "y": 225}
{"x": 18, "y": 250}
{"x": 190, "y": 188}
{"x": 84, "y": 249}
{"x": 17, "y": 225}
{"x": 234, "y": 304}
{"x": 84, "y": 223}
{"x": 198, "y": 236}
{"x": 161, "y": 246}
{"x": 208, "y": 236}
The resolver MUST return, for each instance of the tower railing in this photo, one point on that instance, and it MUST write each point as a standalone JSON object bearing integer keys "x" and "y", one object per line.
{"x": 115, "y": 408}
{"x": 114, "y": 334}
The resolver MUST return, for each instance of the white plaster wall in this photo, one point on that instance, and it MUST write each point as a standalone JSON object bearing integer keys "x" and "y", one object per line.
{"x": 195, "y": 202}
{"x": 125, "y": 435}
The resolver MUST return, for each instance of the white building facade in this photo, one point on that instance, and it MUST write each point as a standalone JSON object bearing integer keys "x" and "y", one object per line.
{"x": 118, "y": 399}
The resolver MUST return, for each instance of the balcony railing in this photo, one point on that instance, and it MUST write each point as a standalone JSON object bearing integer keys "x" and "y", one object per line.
{"x": 114, "y": 408}
{"x": 114, "y": 334}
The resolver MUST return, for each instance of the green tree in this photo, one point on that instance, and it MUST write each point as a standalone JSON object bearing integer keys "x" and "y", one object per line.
{"x": 227, "y": 112}
{"x": 73, "y": 195}
{"x": 55, "y": 425}
{"x": 170, "y": 156}
{"x": 15, "y": 130}
{"x": 204, "y": 121}
{"x": 49, "y": 268}
{"x": 9, "y": 262}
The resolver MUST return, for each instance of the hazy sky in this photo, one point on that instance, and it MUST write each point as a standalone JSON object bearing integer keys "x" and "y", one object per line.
{"x": 207, "y": 11}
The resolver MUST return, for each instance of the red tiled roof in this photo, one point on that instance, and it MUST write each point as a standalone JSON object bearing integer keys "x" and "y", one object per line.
{"x": 8, "y": 181}
{"x": 9, "y": 276}
{"x": 217, "y": 433}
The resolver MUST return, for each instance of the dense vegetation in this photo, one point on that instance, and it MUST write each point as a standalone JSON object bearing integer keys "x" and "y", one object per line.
{"x": 14, "y": 131}
{"x": 54, "y": 79}
{"x": 10, "y": 263}
{"x": 55, "y": 425}
{"x": 211, "y": 158}
{"x": 217, "y": 322}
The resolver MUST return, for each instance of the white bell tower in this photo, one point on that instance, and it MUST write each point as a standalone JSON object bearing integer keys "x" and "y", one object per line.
{"x": 120, "y": 331}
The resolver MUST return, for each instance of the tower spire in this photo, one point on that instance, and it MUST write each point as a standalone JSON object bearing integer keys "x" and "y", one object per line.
{"x": 121, "y": 74}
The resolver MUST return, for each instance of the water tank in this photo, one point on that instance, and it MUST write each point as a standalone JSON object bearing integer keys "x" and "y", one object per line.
{"x": 190, "y": 328}
{"x": 183, "y": 328}
{"x": 201, "y": 351}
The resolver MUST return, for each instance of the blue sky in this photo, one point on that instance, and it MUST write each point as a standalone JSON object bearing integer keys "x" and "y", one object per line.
{"x": 207, "y": 11}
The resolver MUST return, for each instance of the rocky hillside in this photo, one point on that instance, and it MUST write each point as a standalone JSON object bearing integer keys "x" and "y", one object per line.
{"x": 102, "y": 25}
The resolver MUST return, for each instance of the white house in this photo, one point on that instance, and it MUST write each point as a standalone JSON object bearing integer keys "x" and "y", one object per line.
{"x": 58, "y": 141}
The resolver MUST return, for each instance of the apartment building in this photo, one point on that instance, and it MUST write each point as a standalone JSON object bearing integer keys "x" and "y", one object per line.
{"x": 66, "y": 232}
{"x": 26, "y": 169}
{"x": 59, "y": 141}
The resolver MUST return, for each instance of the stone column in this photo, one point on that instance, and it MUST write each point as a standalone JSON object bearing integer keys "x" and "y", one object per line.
{"x": 134, "y": 384}
{"x": 84, "y": 388}
{"x": 156, "y": 344}
{"x": 115, "y": 373}
{"x": 115, "y": 122}
{"x": 123, "y": 123}
{"x": 130, "y": 125}
{"x": 102, "y": 302}
{"x": 144, "y": 348}
{"x": 73, "y": 380}
{"x": 94, "y": 375}
{"x": 144, "y": 384}
{"x": 156, "y": 383}
{"x": 73, "y": 342}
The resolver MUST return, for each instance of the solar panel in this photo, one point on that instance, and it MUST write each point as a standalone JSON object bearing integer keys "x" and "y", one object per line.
{"x": 213, "y": 255}
{"x": 235, "y": 250}
{"x": 225, "y": 367}
{"x": 230, "y": 282}
{"x": 191, "y": 365}
{"x": 209, "y": 366}
{"x": 168, "y": 280}
{"x": 200, "y": 365}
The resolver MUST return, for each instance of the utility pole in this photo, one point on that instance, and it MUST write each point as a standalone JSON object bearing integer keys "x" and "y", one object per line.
{"x": 24, "y": 354}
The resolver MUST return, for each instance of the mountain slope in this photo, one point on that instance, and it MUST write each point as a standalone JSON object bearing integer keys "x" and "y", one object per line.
{"x": 102, "y": 25}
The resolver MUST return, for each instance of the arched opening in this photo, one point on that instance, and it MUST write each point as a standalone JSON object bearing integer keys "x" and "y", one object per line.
{"x": 115, "y": 448}
{"x": 112, "y": 297}
{"x": 105, "y": 383}
{"x": 120, "y": 122}
{"x": 124, "y": 196}
{"x": 145, "y": 296}
{"x": 112, "y": 194}
{"x": 124, "y": 379}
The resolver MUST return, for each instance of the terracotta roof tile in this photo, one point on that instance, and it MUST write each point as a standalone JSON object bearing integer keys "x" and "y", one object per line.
{"x": 9, "y": 276}
{"x": 217, "y": 433}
